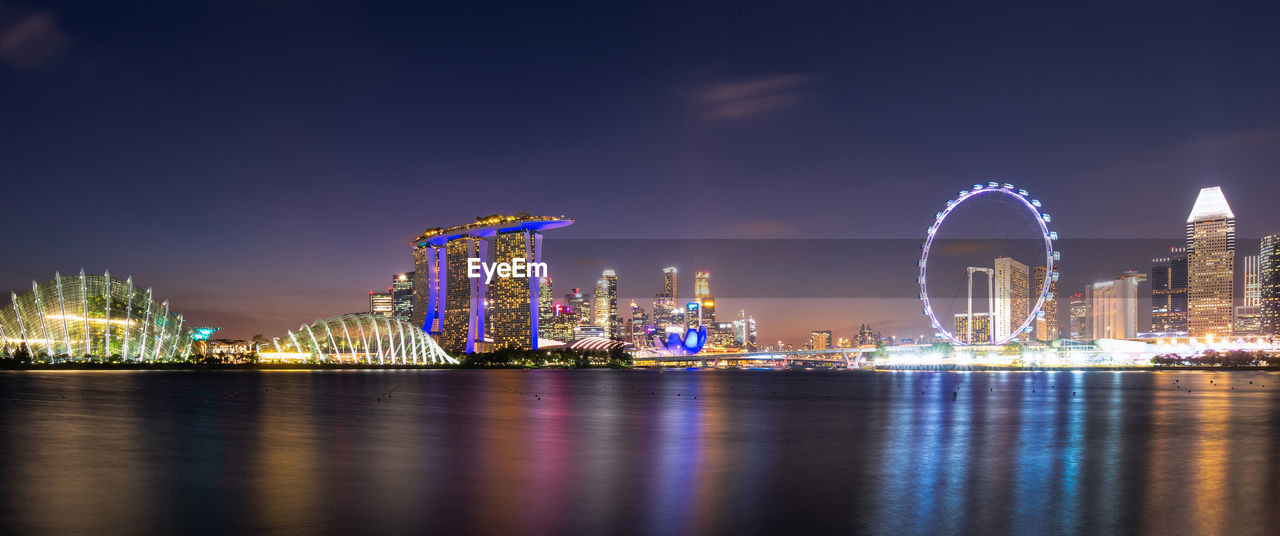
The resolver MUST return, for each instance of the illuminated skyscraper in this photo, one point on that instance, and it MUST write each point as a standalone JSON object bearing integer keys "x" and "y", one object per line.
{"x": 1269, "y": 284}
{"x": 1113, "y": 306}
{"x": 546, "y": 305}
{"x": 1169, "y": 292}
{"x": 820, "y": 340}
{"x": 744, "y": 331}
{"x": 1013, "y": 292}
{"x": 381, "y": 303}
{"x": 869, "y": 337}
{"x": 1211, "y": 247}
{"x": 514, "y": 301}
{"x": 578, "y": 306}
{"x": 667, "y": 312}
{"x": 1047, "y": 327}
{"x": 981, "y": 327}
{"x": 639, "y": 324}
{"x": 455, "y": 307}
{"x": 605, "y": 304}
{"x": 706, "y": 303}
{"x": 1249, "y": 316}
{"x": 1252, "y": 282}
{"x": 669, "y": 287}
{"x": 1079, "y": 320}
{"x": 402, "y": 295}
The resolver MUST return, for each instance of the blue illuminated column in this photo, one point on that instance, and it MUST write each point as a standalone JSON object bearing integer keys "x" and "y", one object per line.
{"x": 478, "y": 292}
{"x": 534, "y": 252}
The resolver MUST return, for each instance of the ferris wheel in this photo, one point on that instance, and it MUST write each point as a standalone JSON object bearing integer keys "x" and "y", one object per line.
{"x": 1044, "y": 294}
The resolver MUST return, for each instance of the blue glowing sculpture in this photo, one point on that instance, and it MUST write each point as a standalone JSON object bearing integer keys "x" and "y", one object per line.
{"x": 691, "y": 343}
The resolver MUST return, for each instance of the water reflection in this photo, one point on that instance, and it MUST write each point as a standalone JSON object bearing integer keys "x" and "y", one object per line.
{"x": 638, "y": 452}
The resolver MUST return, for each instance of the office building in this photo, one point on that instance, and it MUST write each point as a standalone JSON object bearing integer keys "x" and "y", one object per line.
{"x": 1046, "y": 326}
{"x": 1248, "y": 317}
{"x": 1252, "y": 282}
{"x": 981, "y": 328}
{"x": 604, "y": 310}
{"x": 1248, "y": 320}
{"x": 669, "y": 286}
{"x": 1211, "y": 247}
{"x": 1169, "y": 292}
{"x": 667, "y": 312}
{"x": 560, "y": 328}
{"x": 744, "y": 331}
{"x": 1113, "y": 306}
{"x": 546, "y": 304}
{"x": 869, "y": 337}
{"x": 1013, "y": 296}
{"x": 638, "y": 332}
{"x": 402, "y": 296}
{"x": 381, "y": 303}
{"x": 1079, "y": 319}
{"x": 577, "y": 305}
{"x": 706, "y": 303}
{"x": 1269, "y": 285}
{"x": 819, "y": 340}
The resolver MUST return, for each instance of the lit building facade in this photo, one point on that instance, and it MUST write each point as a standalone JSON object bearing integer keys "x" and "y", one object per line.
{"x": 666, "y": 307}
{"x": 1079, "y": 319}
{"x": 546, "y": 305}
{"x": 1169, "y": 292}
{"x": 577, "y": 302}
{"x": 1113, "y": 307}
{"x": 820, "y": 340}
{"x": 744, "y": 331}
{"x": 1269, "y": 284}
{"x": 868, "y": 336}
{"x": 1013, "y": 294}
{"x": 604, "y": 310}
{"x": 1248, "y": 320}
{"x": 722, "y": 336}
{"x": 1211, "y": 247}
{"x": 706, "y": 303}
{"x": 402, "y": 296}
{"x": 381, "y": 303}
{"x": 455, "y": 307}
{"x": 560, "y": 328}
{"x": 639, "y": 326}
{"x": 670, "y": 288}
{"x": 95, "y": 316}
{"x": 981, "y": 327}
{"x": 1046, "y": 327}
{"x": 1252, "y": 281}
{"x": 514, "y": 301}
{"x": 1249, "y": 316}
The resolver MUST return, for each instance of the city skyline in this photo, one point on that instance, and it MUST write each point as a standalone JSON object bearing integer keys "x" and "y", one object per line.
{"x": 656, "y": 267}
{"x": 747, "y": 136}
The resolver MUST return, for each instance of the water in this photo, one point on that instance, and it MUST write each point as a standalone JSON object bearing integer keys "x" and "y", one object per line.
{"x": 634, "y": 452}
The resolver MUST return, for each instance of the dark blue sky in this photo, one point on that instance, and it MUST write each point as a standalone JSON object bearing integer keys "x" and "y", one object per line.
{"x": 265, "y": 165}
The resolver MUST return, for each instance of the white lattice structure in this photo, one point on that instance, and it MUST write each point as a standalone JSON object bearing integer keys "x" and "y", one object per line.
{"x": 363, "y": 338}
{"x": 93, "y": 315}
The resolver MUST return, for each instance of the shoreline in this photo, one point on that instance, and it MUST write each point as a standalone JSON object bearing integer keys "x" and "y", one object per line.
{"x": 349, "y": 366}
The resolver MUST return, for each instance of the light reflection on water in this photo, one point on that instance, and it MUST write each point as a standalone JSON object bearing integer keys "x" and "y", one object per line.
{"x": 634, "y": 452}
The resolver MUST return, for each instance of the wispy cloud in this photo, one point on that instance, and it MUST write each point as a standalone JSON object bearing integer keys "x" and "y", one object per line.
{"x": 763, "y": 228}
{"x": 749, "y": 97}
{"x": 33, "y": 40}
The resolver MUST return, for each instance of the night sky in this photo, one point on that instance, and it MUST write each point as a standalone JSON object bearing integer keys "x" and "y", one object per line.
{"x": 264, "y": 164}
